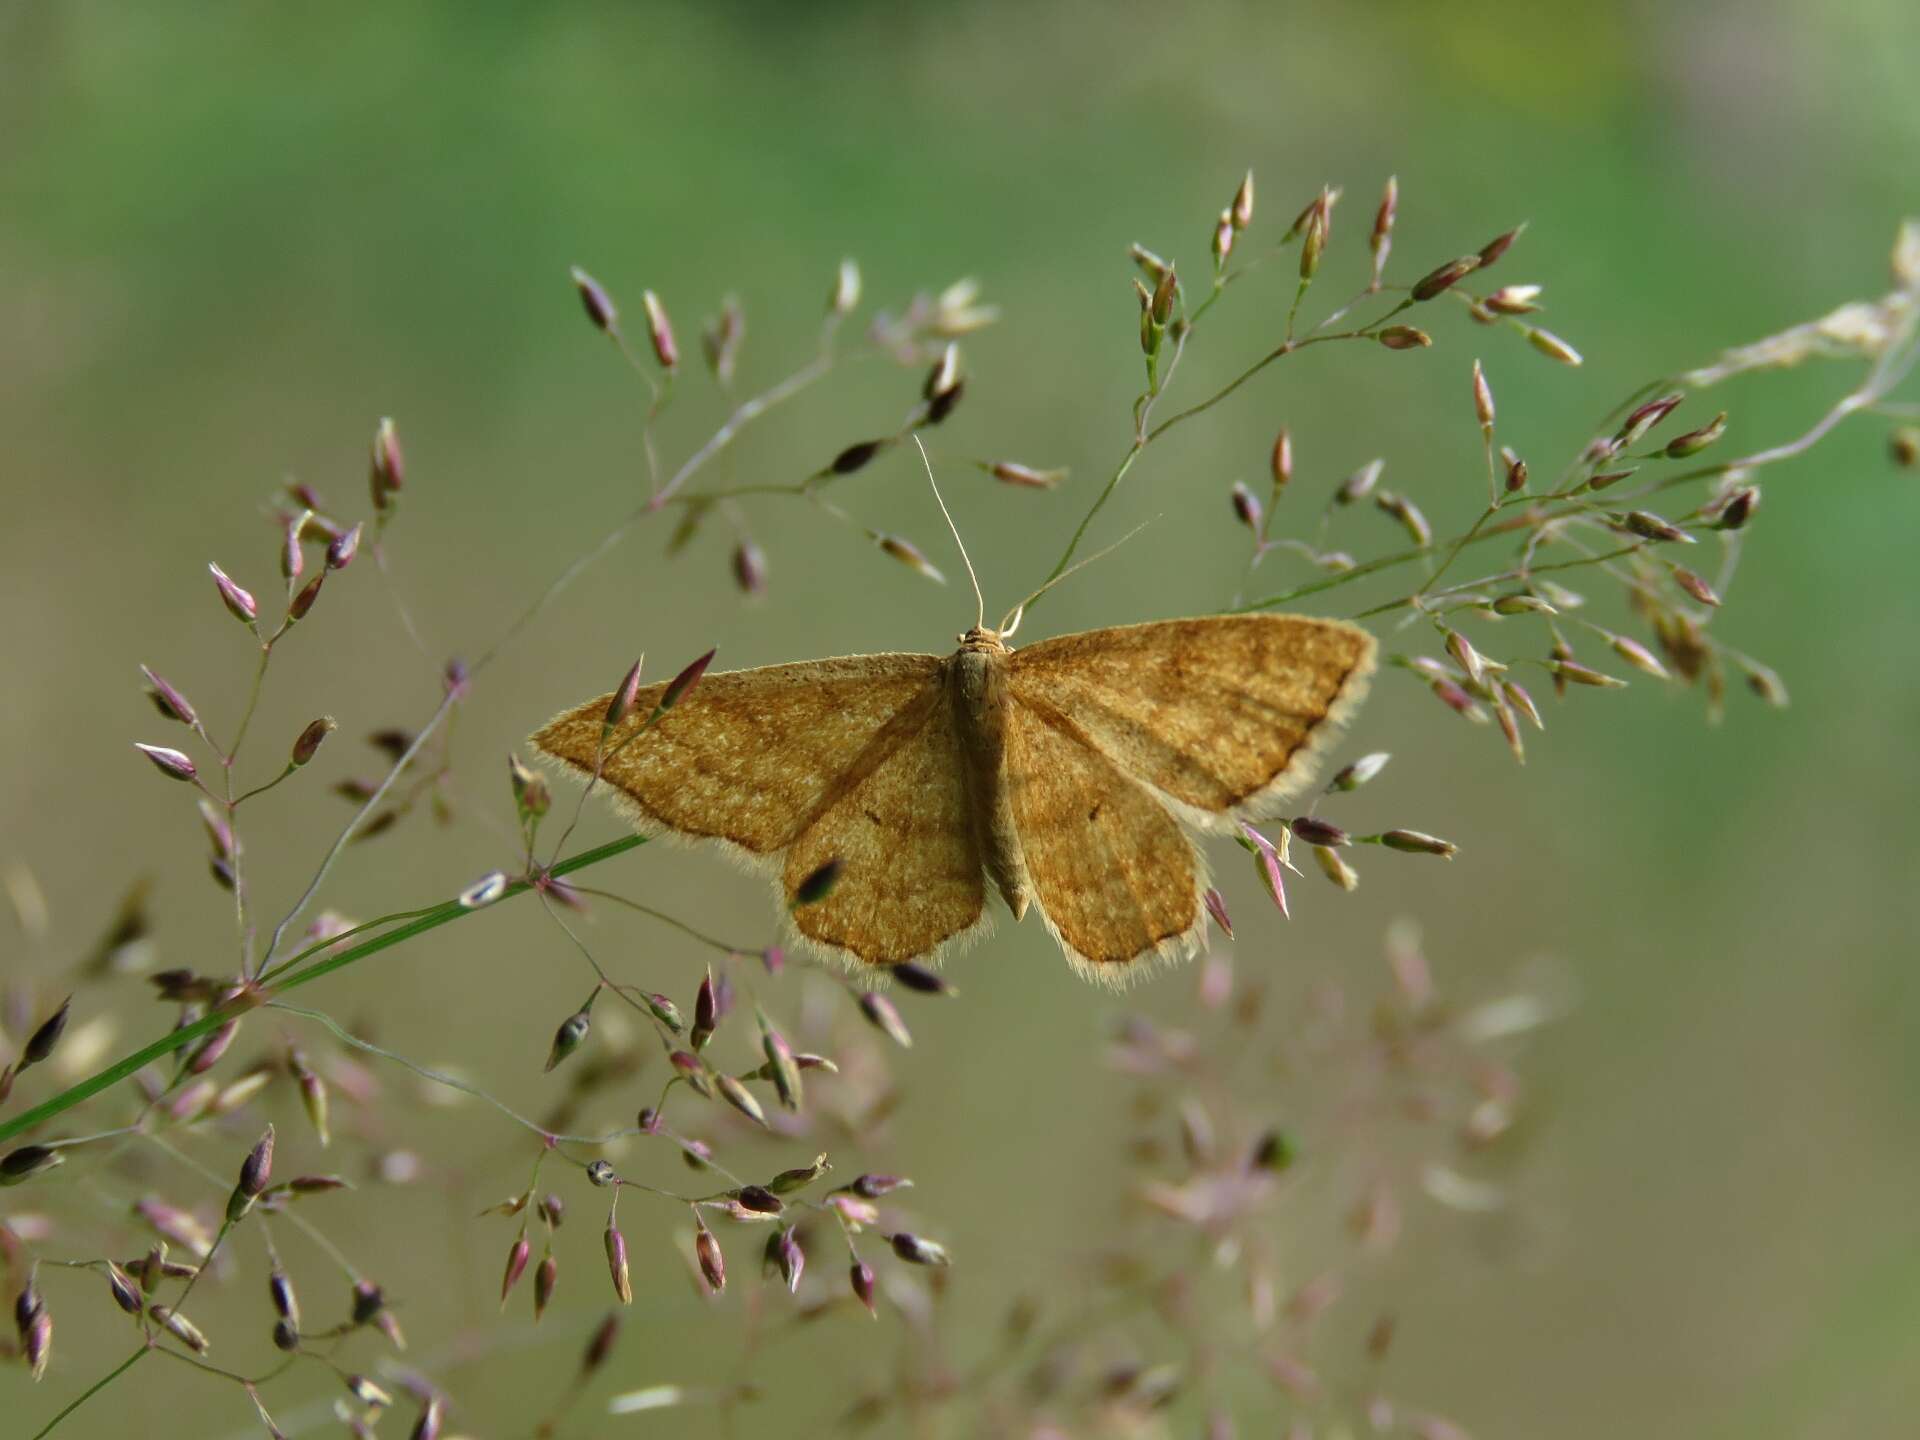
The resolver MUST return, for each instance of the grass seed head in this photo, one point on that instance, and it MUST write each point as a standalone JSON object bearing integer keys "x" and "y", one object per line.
{"x": 595, "y": 300}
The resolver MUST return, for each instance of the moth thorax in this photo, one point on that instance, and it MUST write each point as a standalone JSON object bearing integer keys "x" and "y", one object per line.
{"x": 979, "y": 638}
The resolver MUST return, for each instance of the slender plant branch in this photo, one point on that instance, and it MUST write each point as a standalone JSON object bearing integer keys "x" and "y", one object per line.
{"x": 430, "y": 919}
{"x": 445, "y": 708}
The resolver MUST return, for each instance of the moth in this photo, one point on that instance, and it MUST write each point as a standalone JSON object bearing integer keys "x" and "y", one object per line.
{"x": 1066, "y": 773}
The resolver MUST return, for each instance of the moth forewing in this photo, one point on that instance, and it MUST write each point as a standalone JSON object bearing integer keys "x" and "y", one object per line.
{"x": 788, "y": 766}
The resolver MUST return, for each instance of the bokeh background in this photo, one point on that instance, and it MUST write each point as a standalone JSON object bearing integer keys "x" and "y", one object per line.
{"x": 233, "y": 236}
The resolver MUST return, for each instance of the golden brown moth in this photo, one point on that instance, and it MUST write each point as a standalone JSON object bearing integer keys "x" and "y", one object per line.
{"x": 1062, "y": 771}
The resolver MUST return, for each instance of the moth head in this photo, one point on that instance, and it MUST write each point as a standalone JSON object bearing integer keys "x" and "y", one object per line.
{"x": 980, "y": 638}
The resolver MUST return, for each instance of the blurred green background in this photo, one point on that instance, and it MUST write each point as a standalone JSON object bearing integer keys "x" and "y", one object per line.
{"x": 232, "y": 236}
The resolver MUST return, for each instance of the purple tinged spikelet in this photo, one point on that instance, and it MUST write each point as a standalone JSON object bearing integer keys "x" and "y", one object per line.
{"x": 944, "y": 375}
{"x": 293, "y": 558}
{"x": 1645, "y": 417}
{"x": 917, "y": 1250}
{"x": 1315, "y": 831}
{"x": 1652, "y": 527}
{"x": 1552, "y": 346}
{"x": 34, "y": 1326}
{"x": 545, "y": 1280}
{"x": 1498, "y": 246}
{"x": 1517, "y": 696}
{"x": 759, "y": 1200}
{"x": 1270, "y": 865}
{"x": 596, "y": 302}
{"x": 721, "y": 337}
{"x": 788, "y": 1257}
{"x": 1694, "y": 586}
{"x": 1578, "y": 674}
{"x": 713, "y": 1262}
{"x": 1444, "y": 277}
{"x": 1380, "y": 242}
{"x": 1417, "y": 842}
{"x": 517, "y": 1257}
{"x": 1165, "y": 291}
{"x": 600, "y": 1346}
{"x": 168, "y": 700}
{"x": 1246, "y": 507}
{"x": 1223, "y": 237}
{"x": 1217, "y": 908}
{"x": 387, "y": 466}
{"x": 1026, "y": 477}
{"x": 1412, "y": 519}
{"x": 678, "y": 687}
{"x": 1637, "y": 655}
{"x": 366, "y": 1391}
{"x": 1514, "y": 300}
{"x": 617, "y": 1266}
{"x": 239, "y": 602}
{"x": 46, "y": 1035}
{"x": 1360, "y": 483}
{"x": 1516, "y": 470}
{"x": 181, "y": 1328}
{"x": 1738, "y": 508}
{"x": 1335, "y": 867}
{"x": 125, "y": 1292}
{"x": 786, "y": 1074}
{"x": 342, "y": 548}
{"x": 749, "y": 567}
{"x": 855, "y": 456}
{"x": 621, "y": 705}
{"x": 741, "y": 1098}
{"x": 1352, "y": 777}
{"x": 368, "y": 1302}
{"x": 660, "y": 331}
{"x": 1694, "y": 441}
{"x": 921, "y": 980}
{"x": 909, "y": 554}
{"x": 174, "y": 764}
{"x": 280, "y": 1290}
{"x": 307, "y": 743}
{"x": 1482, "y": 398}
{"x": 211, "y": 1049}
{"x": 851, "y": 1208}
{"x": 787, "y": 1181}
{"x": 567, "y": 1038}
{"x": 881, "y": 1014}
{"x": 255, "y": 1173}
{"x": 706, "y": 1013}
{"x": 860, "y": 1277}
{"x": 302, "y": 602}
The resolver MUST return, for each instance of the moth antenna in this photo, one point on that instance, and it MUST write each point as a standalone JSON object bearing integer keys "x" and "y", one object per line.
{"x": 980, "y": 601}
{"x": 1019, "y": 612}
